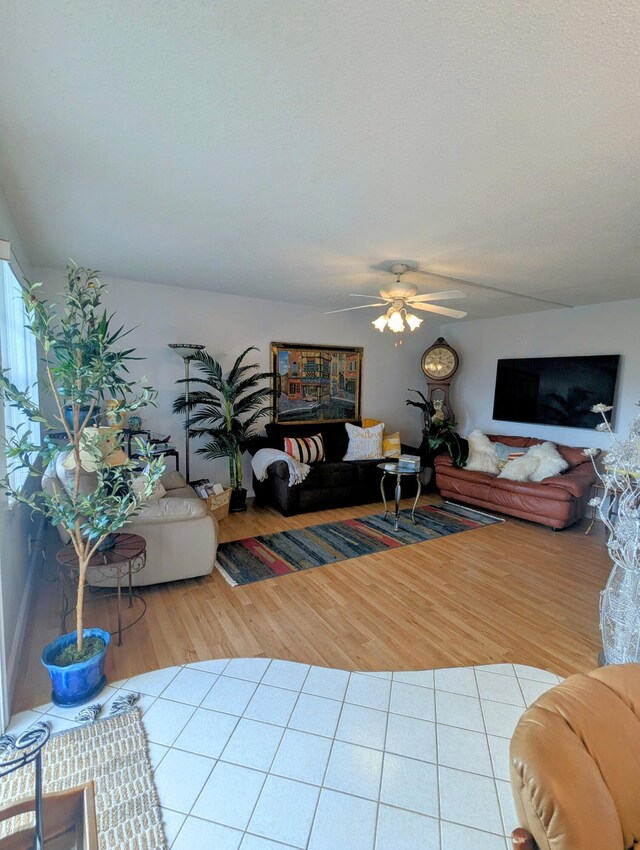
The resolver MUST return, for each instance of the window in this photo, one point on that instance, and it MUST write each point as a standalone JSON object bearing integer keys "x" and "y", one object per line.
{"x": 17, "y": 354}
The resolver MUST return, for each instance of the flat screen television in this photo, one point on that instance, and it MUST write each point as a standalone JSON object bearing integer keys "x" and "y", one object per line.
{"x": 555, "y": 390}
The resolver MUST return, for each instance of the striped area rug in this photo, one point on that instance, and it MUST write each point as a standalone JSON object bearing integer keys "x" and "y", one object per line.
{"x": 272, "y": 555}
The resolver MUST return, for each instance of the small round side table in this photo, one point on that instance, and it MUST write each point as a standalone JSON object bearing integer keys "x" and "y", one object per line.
{"x": 127, "y": 557}
{"x": 392, "y": 469}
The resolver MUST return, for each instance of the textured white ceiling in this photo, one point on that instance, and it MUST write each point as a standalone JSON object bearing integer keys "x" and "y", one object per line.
{"x": 281, "y": 148}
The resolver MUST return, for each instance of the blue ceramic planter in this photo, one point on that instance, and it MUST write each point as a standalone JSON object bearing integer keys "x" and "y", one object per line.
{"x": 76, "y": 683}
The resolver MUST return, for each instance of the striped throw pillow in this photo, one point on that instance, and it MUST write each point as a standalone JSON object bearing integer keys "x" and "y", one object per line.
{"x": 305, "y": 449}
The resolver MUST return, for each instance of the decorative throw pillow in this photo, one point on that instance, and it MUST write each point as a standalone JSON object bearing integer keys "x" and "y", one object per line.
{"x": 482, "y": 453}
{"x": 506, "y": 453}
{"x": 551, "y": 461}
{"x": 364, "y": 443}
{"x": 391, "y": 445}
{"x": 520, "y": 469}
{"x": 369, "y": 423}
{"x": 305, "y": 449}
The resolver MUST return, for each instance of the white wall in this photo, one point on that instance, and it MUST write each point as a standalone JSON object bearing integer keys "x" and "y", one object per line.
{"x": 227, "y": 324}
{"x": 15, "y": 523}
{"x": 598, "y": 329}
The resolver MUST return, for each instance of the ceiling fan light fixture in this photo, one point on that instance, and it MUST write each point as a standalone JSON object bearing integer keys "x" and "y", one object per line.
{"x": 413, "y": 321}
{"x": 395, "y": 322}
{"x": 380, "y": 323}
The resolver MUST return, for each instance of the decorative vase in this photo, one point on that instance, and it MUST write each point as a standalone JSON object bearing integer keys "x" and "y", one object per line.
{"x": 238, "y": 500}
{"x": 84, "y": 409}
{"x": 108, "y": 543}
{"x": 75, "y": 683}
{"x": 620, "y": 616}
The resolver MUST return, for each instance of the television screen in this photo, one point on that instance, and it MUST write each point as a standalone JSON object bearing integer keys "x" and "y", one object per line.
{"x": 555, "y": 390}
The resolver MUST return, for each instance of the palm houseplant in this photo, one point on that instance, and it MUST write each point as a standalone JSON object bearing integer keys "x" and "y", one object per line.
{"x": 83, "y": 363}
{"x": 225, "y": 410}
{"x": 438, "y": 433}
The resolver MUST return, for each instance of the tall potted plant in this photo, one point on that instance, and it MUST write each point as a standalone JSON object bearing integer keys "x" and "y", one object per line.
{"x": 438, "y": 433}
{"x": 82, "y": 363}
{"x": 226, "y": 411}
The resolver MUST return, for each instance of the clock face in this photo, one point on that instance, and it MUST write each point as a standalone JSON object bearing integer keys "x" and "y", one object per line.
{"x": 439, "y": 363}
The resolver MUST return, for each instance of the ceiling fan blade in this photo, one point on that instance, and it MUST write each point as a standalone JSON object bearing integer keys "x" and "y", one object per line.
{"x": 359, "y": 307}
{"x": 444, "y": 311}
{"x": 358, "y": 295}
{"x": 414, "y": 270}
{"x": 437, "y": 296}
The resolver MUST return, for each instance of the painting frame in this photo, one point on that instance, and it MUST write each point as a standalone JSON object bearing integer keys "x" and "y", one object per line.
{"x": 313, "y": 382}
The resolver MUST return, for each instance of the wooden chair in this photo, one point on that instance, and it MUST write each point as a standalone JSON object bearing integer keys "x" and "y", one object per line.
{"x": 71, "y": 813}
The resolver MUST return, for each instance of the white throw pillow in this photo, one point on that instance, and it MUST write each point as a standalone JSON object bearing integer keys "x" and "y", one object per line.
{"x": 141, "y": 481}
{"x": 364, "y": 443}
{"x": 550, "y": 460}
{"x": 521, "y": 469}
{"x": 482, "y": 453}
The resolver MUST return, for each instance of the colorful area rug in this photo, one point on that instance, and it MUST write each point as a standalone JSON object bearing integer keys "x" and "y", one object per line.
{"x": 271, "y": 555}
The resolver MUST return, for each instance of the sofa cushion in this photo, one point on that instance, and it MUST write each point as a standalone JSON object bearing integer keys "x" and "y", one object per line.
{"x": 334, "y": 436}
{"x": 324, "y": 475}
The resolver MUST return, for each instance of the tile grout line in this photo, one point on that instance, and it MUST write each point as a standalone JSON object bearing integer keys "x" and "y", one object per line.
{"x": 324, "y": 775}
{"x": 245, "y": 767}
{"x": 491, "y": 759}
{"x": 382, "y": 766}
{"x": 268, "y": 773}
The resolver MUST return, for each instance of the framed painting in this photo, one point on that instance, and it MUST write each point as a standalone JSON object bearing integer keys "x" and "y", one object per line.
{"x": 316, "y": 383}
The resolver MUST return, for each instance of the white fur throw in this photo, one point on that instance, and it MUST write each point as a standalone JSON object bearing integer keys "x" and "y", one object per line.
{"x": 521, "y": 468}
{"x": 550, "y": 460}
{"x": 482, "y": 453}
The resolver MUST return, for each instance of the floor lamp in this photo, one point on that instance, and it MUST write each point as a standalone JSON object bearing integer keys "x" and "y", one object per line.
{"x": 187, "y": 351}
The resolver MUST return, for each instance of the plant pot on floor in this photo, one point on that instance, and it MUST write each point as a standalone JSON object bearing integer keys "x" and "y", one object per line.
{"x": 78, "y": 682}
{"x": 238, "y": 500}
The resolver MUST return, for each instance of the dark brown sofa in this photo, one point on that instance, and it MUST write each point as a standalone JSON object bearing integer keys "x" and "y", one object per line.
{"x": 332, "y": 483}
{"x": 557, "y": 502}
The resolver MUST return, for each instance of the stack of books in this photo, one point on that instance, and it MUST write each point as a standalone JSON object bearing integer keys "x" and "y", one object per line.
{"x": 408, "y": 463}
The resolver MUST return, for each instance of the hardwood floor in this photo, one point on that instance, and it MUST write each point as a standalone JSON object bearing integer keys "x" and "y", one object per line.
{"x": 512, "y": 591}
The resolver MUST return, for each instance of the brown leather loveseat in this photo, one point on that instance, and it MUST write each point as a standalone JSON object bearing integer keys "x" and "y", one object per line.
{"x": 556, "y": 502}
{"x": 575, "y": 764}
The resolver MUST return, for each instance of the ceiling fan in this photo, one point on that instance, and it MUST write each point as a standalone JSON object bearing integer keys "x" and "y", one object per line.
{"x": 401, "y": 296}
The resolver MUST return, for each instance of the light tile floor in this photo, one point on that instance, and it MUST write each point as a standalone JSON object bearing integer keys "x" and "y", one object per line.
{"x": 253, "y": 754}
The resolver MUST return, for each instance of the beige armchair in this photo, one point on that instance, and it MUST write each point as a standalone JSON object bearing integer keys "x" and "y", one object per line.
{"x": 575, "y": 764}
{"x": 181, "y": 534}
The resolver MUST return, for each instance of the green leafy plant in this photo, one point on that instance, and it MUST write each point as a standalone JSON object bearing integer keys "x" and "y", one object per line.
{"x": 227, "y": 411}
{"x": 439, "y": 434}
{"x": 83, "y": 363}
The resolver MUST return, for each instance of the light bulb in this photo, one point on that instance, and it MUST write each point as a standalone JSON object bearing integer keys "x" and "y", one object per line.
{"x": 380, "y": 323}
{"x": 395, "y": 323}
{"x": 413, "y": 321}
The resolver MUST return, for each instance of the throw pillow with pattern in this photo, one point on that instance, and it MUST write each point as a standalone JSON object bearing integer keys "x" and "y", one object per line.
{"x": 305, "y": 449}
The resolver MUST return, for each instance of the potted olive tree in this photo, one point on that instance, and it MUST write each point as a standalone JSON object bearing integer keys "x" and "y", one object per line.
{"x": 83, "y": 363}
{"x": 225, "y": 412}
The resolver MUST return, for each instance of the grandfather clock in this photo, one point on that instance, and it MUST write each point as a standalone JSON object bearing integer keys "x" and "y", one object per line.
{"x": 440, "y": 363}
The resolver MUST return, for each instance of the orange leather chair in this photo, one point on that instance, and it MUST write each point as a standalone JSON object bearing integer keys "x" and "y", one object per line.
{"x": 575, "y": 764}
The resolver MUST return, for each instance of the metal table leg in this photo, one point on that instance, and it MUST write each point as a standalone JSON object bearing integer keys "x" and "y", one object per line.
{"x": 415, "y": 501}
{"x": 398, "y": 495}
{"x": 384, "y": 498}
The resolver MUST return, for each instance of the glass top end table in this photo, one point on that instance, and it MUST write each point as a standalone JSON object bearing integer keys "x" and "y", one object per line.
{"x": 389, "y": 468}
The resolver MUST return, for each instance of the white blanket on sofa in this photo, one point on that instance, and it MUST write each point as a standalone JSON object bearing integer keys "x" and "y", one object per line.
{"x": 263, "y": 459}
